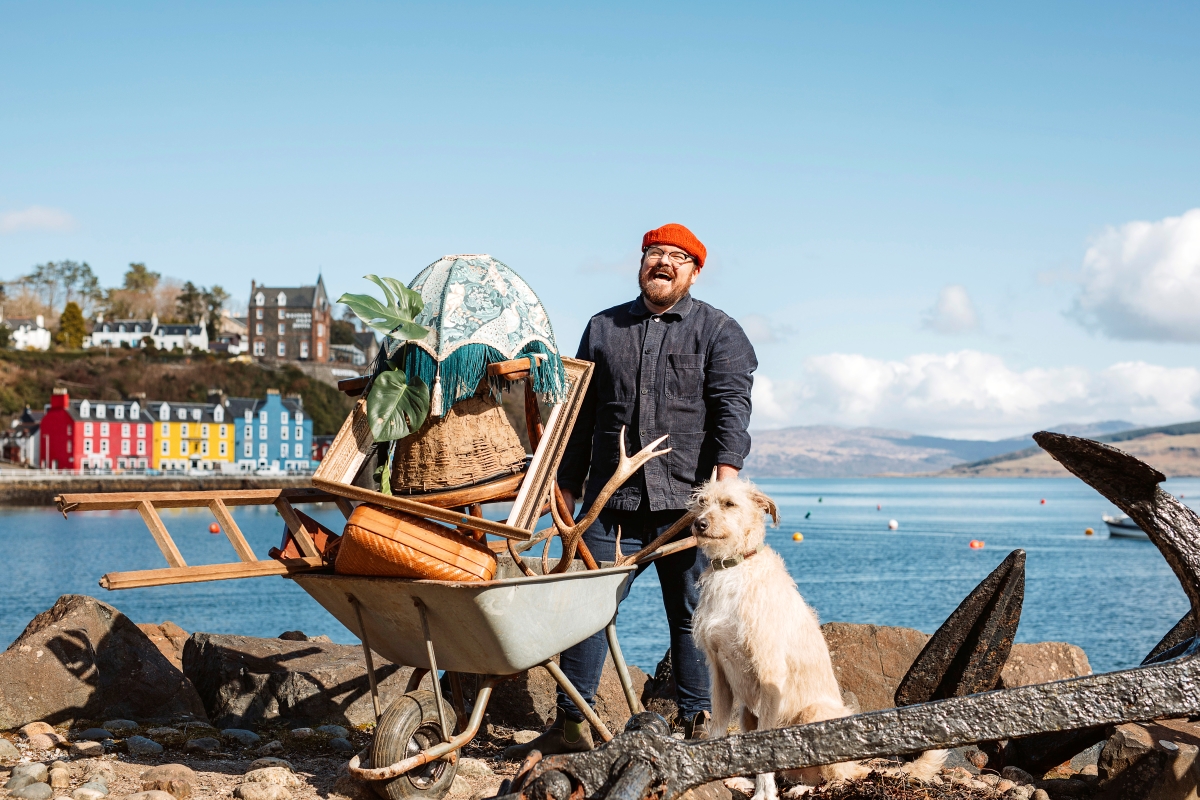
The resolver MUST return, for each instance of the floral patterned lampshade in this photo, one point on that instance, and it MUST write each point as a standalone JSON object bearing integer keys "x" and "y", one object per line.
{"x": 479, "y": 312}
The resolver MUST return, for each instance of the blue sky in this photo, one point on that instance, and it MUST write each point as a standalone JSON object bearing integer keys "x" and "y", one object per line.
{"x": 852, "y": 169}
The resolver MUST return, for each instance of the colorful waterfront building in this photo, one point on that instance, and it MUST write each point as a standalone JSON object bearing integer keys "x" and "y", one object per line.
{"x": 78, "y": 435}
{"x": 192, "y": 436}
{"x": 272, "y": 433}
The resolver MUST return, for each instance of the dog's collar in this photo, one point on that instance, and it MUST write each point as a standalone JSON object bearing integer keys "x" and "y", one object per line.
{"x": 732, "y": 561}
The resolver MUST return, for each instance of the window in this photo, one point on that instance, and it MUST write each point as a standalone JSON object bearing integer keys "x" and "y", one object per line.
{"x": 281, "y": 299}
{"x": 219, "y": 414}
{"x": 283, "y": 450}
{"x": 248, "y": 450}
{"x": 164, "y": 413}
{"x": 166, "y": 430}
{"x": 320, "y": 350}
{"x": 204, "y": 431}
{"x": 258, "y": 327}
{"x": 87, "y": 429}
{"x": 281, "y": 313}
{"x": 249, "y": 415}
{"x": 281, "y": 350}
{"x": 119, "y": 412}
{"x": 125, "y": 447}
{"x": 224, "y": 449}
{"x": 135, "y": 412}
{"x": 248, "y": 434}
{"x": 262, "y": 450}
{"x": 183, "y": 448}
{"x": 299, "y": 450}
{"x": 100, "y": 411}
{"x": 141, "y": 448}
{"x": 283, "y": 418}
{"x": 166, "y": 448}
{"x": 283, "y": 433}
{"x": 223, "y": 432}
{"x": 260, "y": 348}
{"x": 299, "y": 432}
{"x": 182, "y": 414}
{"x": 196, "y": 414}
{"x": 304, "y": 349}
{"x": 204, "y": 448}
{"x": 141, "y": 431}
{"x": 104, "y": 429}
{"x": 262, "y": 418}
{"x": 125, "y": 430}
{"x": 85, "y": 409}
{"x": 258, "y": 314}
{"x": 104, "y": 445}
{"x": 183, "y": 430}
{"x": 298, "y": 416}
{"x": 262, "y": 431}
{"x": 320, "y": 329}
{"x": 87, "y": 446}
{"x": 260, "y": 299}
{"x": 282, "y": 329}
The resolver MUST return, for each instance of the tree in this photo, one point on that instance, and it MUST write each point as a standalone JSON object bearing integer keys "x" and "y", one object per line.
{"x": 341, "y": 332}
{"x": 71, "y": 327}
{"x": 190, "y": 305}
{"x": 5, "y": 335}
{"x": 214, "y": 301}
{"x": 140, "y": 279}
{"x": 66, "y": 282}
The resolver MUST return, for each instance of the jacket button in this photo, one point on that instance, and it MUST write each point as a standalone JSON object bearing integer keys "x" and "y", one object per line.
{"x": 643, "y": 391}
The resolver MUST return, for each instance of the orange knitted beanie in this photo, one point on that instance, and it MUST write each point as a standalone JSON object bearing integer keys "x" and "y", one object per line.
{"x": 676, "y": 235}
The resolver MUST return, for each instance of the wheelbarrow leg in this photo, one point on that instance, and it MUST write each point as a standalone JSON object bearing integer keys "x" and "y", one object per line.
{"x": 576, "y": 698}
{"x": 614, "y": 647}
{"x": 437, "y": 689}
{"x": 366, "y": 645}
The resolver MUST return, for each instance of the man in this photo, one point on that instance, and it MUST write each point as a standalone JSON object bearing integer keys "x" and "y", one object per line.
{"x": 665, "y": 364}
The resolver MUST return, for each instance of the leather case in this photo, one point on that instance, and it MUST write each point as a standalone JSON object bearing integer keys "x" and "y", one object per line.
{"x": 385, "y": 542}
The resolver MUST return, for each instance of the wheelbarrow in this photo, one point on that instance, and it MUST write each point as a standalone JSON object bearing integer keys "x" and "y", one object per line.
{"x": 494, "y": 629}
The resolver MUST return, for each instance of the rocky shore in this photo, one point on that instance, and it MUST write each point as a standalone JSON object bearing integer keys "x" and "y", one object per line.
{"x": 93, "y": 705}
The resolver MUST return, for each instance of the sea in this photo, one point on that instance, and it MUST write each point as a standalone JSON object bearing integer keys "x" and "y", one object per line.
{"x": 1115, "y": 598}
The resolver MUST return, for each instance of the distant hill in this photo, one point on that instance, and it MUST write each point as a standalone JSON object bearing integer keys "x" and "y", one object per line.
{"x": 1173, "y": 449}
{"x": 827, "y": 451}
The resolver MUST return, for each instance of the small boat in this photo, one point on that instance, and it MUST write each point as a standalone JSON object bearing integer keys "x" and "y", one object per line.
{"x": 1122, "y": 526}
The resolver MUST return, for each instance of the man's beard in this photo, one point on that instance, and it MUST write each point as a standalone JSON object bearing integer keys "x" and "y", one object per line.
{"x": 664, "y": 296}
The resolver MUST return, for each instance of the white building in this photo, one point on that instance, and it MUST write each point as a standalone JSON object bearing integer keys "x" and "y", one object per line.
{"x": 28, "y": 334}
{"x": 133, "y": 333}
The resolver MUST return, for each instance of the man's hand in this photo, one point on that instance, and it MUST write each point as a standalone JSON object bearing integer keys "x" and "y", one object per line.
{"x": 725, "y": 472}
{"x": 570, "y": 498}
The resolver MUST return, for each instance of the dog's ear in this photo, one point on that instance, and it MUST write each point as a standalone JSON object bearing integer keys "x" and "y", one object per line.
{"x": 765, "y": 503}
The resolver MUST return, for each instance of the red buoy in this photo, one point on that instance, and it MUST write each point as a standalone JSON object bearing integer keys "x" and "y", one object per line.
{"x": 878, "y": 507}
{"x": 214, "y": 528}
{"x": 1043, "y": 501}
{"x": 976, "y": 544}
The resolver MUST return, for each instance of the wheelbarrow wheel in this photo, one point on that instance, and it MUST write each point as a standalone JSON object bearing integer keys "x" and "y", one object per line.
{"x": 409, "y": 726}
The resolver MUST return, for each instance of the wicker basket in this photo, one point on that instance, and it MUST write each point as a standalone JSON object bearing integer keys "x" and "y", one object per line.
{"x": 380, "y": 541}
{"x": 471, "y": 443}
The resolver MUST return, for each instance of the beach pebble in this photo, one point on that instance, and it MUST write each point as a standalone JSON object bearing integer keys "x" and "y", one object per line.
{"x": 990, "y": 778}
{"x": 36, "y": 772}
{"x": 1040, "y": 794}
{"x": 176, "y": 780}
{"x": 1016, "y": 775}
{"x": 141, "y": 746}
{"x": 86, "y": 749}
{"x": 94, "y": 735}
{"x": 263, "y": 763}
{"x": 474, "y": 768}
{"x": 280, "y": 776}
{"x": 524, "y": 737}
{"x": 34, "y": 791}
{"x": 45, "y": 741}
{"x": 270, "y": 748}
{"x": 60, "y": 778}
{"x": 302, "y": 733}
{"x": 96, "y": 788}
{"x": 8, "y": 750}
{"x": 1019, "y": 792}
{"x": 86, "y": 792}
{"x": 203, "y": 744}
{"x": 165, "y": 735}
{"x": 120, "y": 726}
{"x": 337, "y": 731}
{"x": 261, "y": 791}
{"x": 341, "y": 745}
{"x": 243, "y": 737}
{"x": 154, "y": 794}
{"x": 35, "y": 728}
{"x": 101, "y": 772}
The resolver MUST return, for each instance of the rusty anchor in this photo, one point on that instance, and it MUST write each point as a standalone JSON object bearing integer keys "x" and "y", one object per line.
{"x": 646, "y": 760}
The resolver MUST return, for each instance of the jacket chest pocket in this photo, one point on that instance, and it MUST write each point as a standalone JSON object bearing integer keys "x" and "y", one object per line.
{"x": 685, "y": 374}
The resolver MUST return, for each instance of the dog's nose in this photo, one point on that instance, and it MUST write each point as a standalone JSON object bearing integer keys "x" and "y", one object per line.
{"x": 700, "y": 525}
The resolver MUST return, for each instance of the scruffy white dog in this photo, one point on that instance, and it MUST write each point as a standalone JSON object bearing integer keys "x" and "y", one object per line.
{"x": 766, "y": 654}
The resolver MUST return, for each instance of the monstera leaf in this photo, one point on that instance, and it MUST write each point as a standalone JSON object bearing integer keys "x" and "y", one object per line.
{"x": 396, "y": 406}
{"x": 393, "y": 318}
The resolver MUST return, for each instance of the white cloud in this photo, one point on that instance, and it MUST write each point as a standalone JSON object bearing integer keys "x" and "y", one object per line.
{"x": 35, "y": 218}
{"x": 972, "y": 394}
{"x": 953, "y": 312}
{"x": 762, "y": 330}
{"x": 1142, "y": 281}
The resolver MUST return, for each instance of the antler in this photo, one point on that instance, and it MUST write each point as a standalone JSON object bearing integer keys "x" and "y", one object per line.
{"x": 626, "y": 467}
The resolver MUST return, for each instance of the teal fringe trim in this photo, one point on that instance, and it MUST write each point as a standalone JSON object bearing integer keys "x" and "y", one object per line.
{"x": 462, "y": 371}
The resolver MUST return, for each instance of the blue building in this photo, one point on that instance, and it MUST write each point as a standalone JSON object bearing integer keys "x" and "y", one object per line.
{"x": 274, "y": 433}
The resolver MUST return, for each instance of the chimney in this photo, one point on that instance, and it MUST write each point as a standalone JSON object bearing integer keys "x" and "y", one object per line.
{"x": 60, "y": 398}
{"x": 216, "y": 396}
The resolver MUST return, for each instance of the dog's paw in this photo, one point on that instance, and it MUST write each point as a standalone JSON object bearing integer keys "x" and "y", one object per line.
{"x": 743, "y": 785}
{"x": 798, "y": 791}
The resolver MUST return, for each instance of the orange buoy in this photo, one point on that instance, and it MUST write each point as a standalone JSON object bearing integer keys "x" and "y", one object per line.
{"x": 976, "y": 544}
{"x": 1088, "y": 532}
{"x": 797, "y": 537}
{"x": 878, "y": 507}
{"x": 214, "y": 528}
{"x": 1043, "y": 501}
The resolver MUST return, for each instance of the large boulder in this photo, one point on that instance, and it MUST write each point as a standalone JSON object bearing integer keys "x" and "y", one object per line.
{"x": 870, "y": 661}
{"x": 243, "y": 680}
{"x": 1042, "y": 663}
{"x": 169, "y": 638}
{"x": 84, "y": 659}
{"x": 528, "y": 701}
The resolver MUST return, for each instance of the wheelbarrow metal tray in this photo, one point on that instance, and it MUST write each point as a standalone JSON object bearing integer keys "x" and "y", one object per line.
{"x": 497, "y": 627}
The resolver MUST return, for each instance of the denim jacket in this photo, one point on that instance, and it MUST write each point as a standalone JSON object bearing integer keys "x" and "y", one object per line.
{"x": 685, "y": 373}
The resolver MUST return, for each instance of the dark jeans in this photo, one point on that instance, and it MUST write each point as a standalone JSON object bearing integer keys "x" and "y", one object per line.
{"x": 678, "y": 573}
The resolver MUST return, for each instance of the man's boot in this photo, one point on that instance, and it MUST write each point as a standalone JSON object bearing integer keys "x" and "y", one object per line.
{"x": 696, "y": 726}
{"x": 563, "y": 736}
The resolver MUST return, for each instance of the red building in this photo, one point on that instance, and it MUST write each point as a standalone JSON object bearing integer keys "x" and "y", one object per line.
{"x": 102, "y": 434}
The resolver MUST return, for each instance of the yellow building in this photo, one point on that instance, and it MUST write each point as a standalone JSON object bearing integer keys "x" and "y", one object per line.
{"x": 191, "y": 436}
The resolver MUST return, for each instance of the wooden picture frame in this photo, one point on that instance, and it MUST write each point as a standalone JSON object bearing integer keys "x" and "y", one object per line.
{"x": 354, "y": 444}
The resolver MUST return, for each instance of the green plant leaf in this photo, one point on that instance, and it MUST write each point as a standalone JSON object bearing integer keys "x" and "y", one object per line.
{"x": 396, "y": 407}
{"x": 387, "y": 320}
